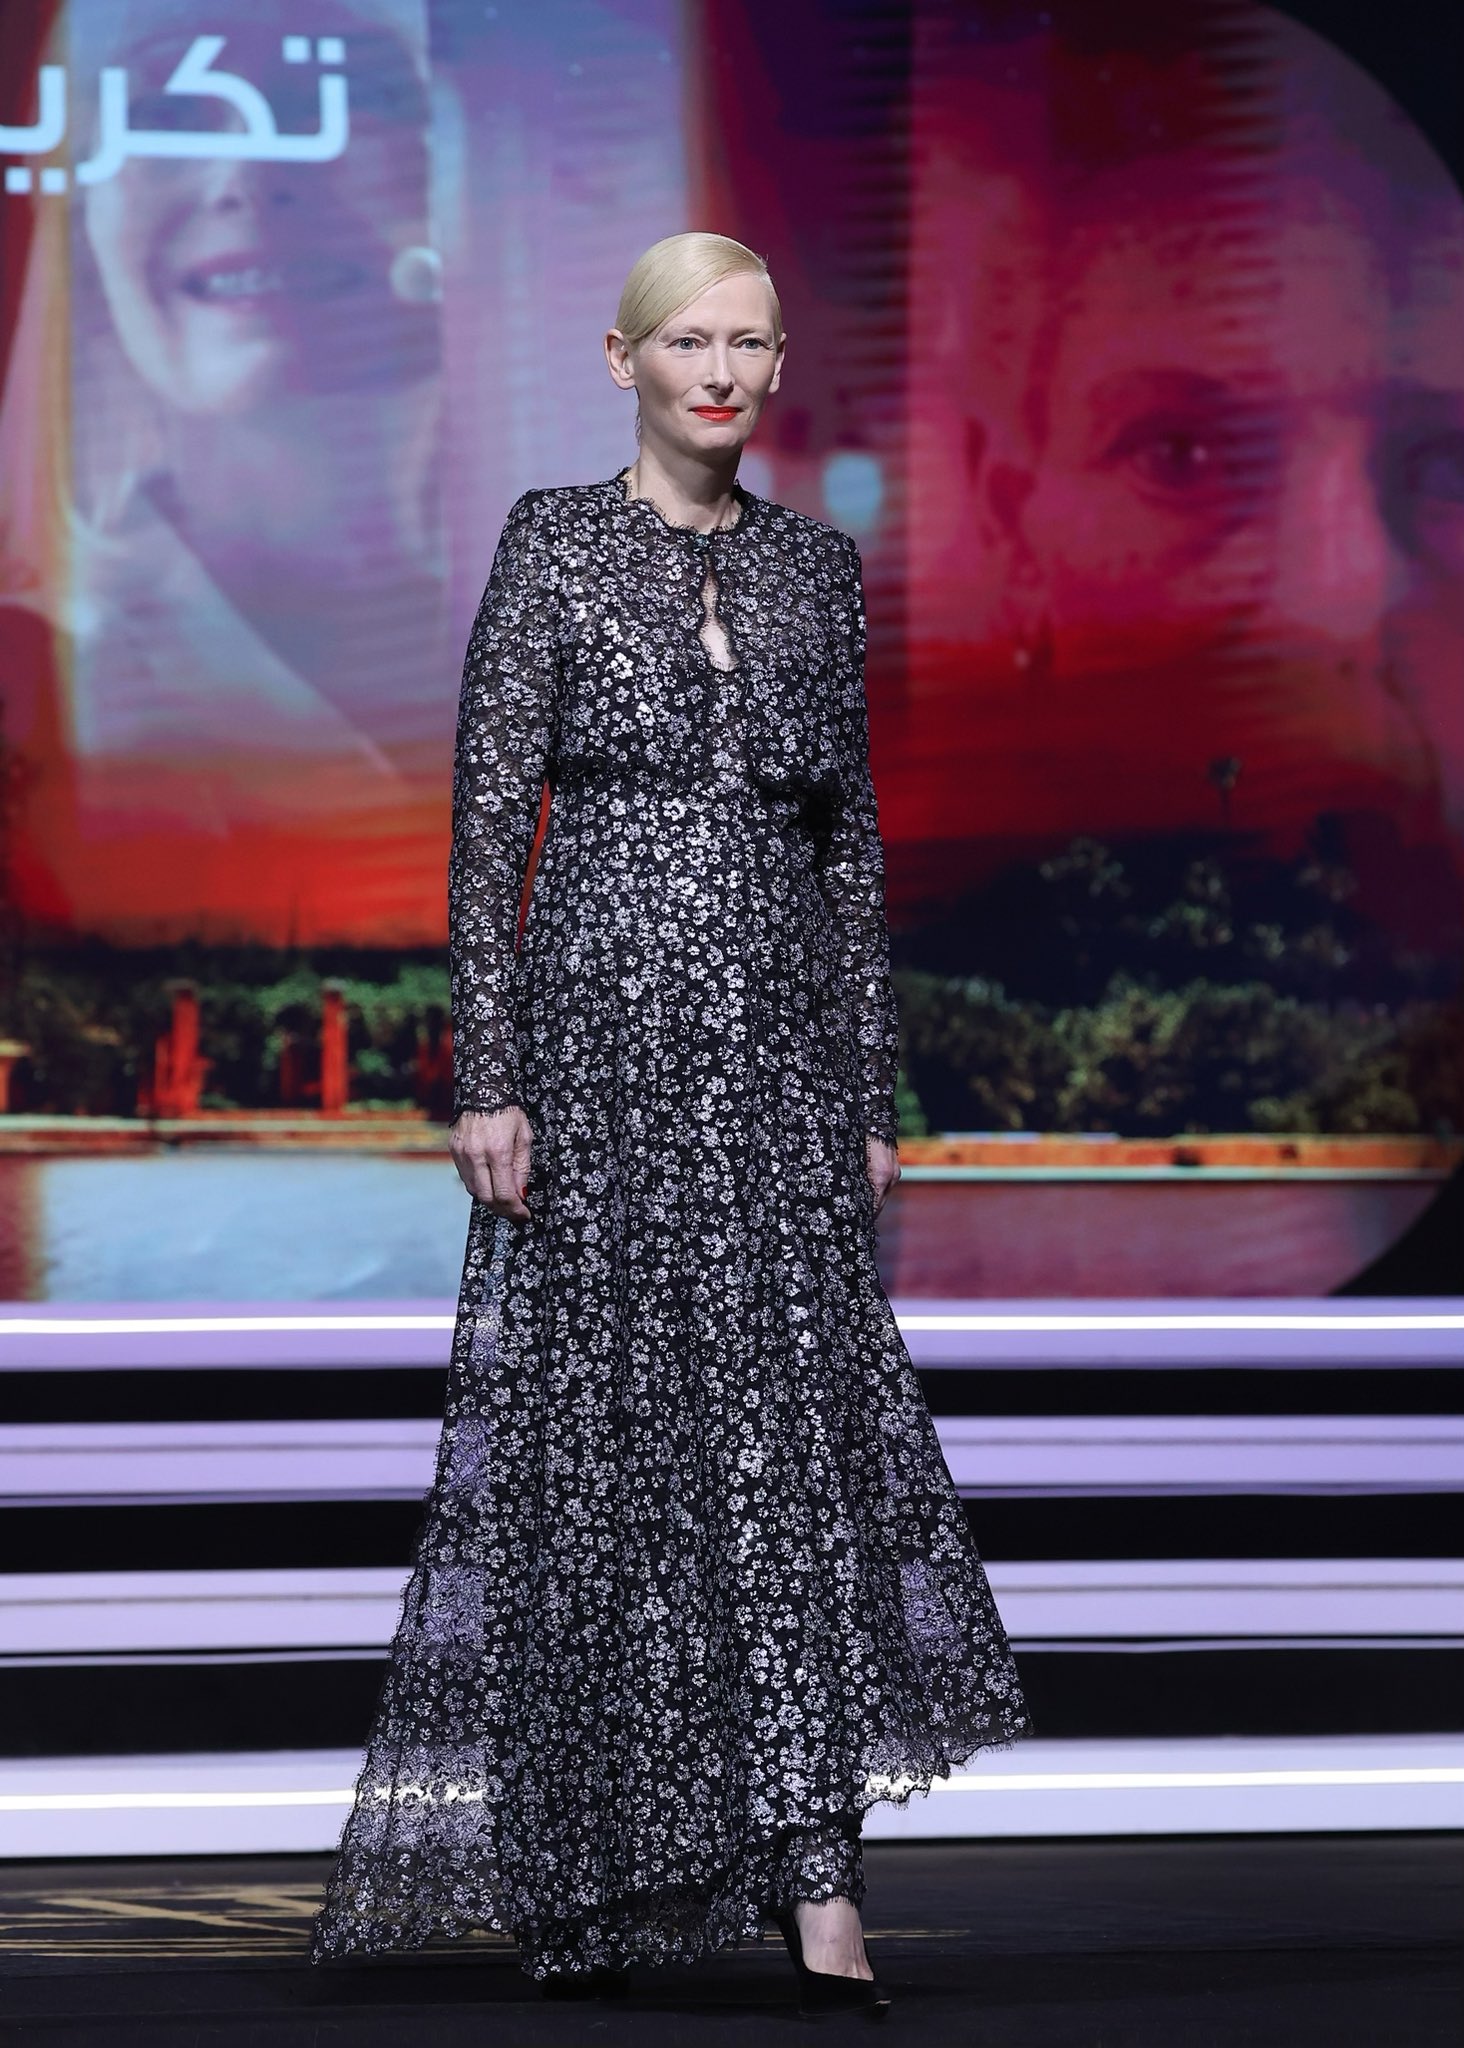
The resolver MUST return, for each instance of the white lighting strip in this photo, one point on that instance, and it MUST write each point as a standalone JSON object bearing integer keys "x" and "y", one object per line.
{"x": 1030, "y": 1781}
{"x": 165, "y": 1326}
{"x": 159, "y": 1326}
{"x": 920, "y": 1321}
{"x": 296, "y": 1801}
{"x": 1160, "y": 1781}
{"x": 114, "y": 1802}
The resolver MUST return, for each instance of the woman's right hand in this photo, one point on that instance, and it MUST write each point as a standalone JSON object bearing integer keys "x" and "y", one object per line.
{"x": 490, "y": 1149}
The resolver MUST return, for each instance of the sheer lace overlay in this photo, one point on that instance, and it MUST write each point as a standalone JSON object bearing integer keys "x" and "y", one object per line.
{"x": 693, "y": 1588}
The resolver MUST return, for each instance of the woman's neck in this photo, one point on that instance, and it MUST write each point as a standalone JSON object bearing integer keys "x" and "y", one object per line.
{"x": 688, "y": 494}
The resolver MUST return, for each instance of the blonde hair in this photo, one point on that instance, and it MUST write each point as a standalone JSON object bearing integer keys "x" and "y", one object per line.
{"x": 678, "y": 269}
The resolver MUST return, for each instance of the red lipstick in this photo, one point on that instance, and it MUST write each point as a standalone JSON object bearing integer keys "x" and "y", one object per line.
{"x": 716, "y": 412}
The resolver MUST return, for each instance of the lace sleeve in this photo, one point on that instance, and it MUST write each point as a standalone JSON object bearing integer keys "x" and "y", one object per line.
{"x": 504, "y": 735}
{"x": 853, "y": 881}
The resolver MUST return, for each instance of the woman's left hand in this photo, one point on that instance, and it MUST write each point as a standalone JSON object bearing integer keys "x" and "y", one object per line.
{"x": 884, "y": 1168}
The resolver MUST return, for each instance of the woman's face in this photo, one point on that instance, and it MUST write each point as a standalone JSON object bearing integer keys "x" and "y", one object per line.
{"x": 1215, "y": 505}
{"x": 1249, "y": 504}
{"x": 1273, "y": 431}
{"x": 720, "y": 350}
{"x": 231, "y": 284}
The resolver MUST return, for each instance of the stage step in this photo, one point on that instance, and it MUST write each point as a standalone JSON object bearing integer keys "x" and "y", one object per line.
{"x": 1217, "y": 1519}
{"x": 296, "y": 1801}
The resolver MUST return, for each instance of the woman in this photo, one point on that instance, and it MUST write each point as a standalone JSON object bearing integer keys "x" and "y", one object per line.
{"x": 694, "y": 1588}
{"x": 249, "y": 535}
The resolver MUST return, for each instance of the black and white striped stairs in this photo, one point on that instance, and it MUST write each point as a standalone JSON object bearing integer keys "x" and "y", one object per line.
{"x": 1204, "y": 1520}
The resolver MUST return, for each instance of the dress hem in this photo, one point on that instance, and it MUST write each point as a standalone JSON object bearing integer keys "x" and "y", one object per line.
{"x": 685, "y": 1936}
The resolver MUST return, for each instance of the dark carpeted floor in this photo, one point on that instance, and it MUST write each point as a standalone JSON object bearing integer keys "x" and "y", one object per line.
{"x": 1343, "y": 1942}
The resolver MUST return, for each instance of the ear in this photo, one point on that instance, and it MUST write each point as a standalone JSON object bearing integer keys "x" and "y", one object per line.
{"x": 617, "y": 356}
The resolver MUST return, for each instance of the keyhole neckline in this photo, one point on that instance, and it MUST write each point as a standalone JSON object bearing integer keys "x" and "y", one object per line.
{"x": 620, "y": 482}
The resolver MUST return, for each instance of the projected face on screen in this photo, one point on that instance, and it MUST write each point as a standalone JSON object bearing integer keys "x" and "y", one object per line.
{"x": 233, "y": 283}
{"x": 261, "y": 414}
{"x": 1313, "y": 468}
{"x": 254, "y": 690}
{"x": 1193, "y": 413}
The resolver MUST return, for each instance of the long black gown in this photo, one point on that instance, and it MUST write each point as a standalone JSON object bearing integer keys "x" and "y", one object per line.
{"x": 694, "y": 1587}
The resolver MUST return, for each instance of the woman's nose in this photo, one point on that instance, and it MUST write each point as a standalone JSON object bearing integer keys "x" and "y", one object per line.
{"x": 243, "y": 182}
{"x": 1336, "y": 568}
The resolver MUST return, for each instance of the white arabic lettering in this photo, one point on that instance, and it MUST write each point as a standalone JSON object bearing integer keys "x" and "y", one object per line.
{"x": 259, "y": 140}
{"x": 46, "y": 131}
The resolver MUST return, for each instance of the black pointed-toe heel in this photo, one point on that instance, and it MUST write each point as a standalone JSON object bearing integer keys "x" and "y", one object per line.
{"x": 822, "y": 1991}
{"x": 600, "y": 1982}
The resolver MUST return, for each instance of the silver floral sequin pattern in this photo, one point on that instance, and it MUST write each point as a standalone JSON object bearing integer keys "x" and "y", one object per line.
{"x": 693, "y": 1588}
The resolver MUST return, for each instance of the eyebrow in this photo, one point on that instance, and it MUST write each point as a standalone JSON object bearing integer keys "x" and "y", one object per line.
{"x": 1123, "y": 390}
{"x": 1157, "y": 385}
{"x": 761, "y": 332}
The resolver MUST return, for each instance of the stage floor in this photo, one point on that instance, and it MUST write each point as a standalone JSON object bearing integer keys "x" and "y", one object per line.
{"x": 1239, "y": 1942}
